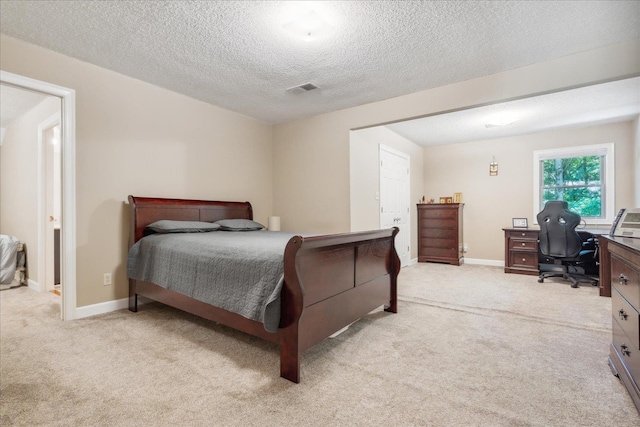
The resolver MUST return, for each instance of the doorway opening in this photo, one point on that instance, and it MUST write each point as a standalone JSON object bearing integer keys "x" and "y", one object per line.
{"x": 68, "y": 183}
{"x": 380, "y": 194}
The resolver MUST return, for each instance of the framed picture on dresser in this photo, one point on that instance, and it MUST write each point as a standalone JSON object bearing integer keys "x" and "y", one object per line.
{"x": 520, "y": 223}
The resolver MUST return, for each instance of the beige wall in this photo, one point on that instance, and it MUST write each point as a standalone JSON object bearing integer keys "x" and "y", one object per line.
{"x": 492, "y": 201}
{"x": 135, "y": 138}
{"x": 365, "y": 177}
{"x": 19, "y": 179}
{"x": 311, "y": 156}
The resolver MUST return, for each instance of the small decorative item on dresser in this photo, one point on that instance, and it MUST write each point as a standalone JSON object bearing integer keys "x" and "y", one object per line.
{"x": 449, "y": 200}
{"x": 520, "y": 223}
{"x": 457, "y": 197}
{"x": 443, "y": 200}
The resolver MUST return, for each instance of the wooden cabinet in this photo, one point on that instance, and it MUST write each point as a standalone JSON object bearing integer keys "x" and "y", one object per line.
{"x": 624, "y": 354}
{"x": 521, "y": 251}
{"x": 440, "y": 233}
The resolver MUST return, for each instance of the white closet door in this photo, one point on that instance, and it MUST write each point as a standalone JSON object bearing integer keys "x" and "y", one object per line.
{"x": 394, "y": 198}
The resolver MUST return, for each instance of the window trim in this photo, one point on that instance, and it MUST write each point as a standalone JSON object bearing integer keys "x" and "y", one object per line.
{"x": 606, "y": 150}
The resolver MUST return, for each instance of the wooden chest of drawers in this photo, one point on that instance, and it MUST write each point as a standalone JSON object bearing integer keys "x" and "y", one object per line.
{"x": 440, "y": 233}
{"x": 624, "y": 357}
{"x": 521, "y": 251}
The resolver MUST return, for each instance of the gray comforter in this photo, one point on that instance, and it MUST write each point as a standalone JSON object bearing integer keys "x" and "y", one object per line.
{"x": 241, "y": 272}
{"x": 8, "y": 258}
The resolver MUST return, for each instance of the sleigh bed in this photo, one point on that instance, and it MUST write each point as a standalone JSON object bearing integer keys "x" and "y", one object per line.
{"x": 329, "y": 281}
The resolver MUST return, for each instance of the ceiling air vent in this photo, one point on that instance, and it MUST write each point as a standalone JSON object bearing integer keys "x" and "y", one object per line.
{"x": 306, "y": 87}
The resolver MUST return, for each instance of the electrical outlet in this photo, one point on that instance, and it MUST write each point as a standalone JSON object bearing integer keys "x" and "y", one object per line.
{"x": 107, "y": 279}
{"x": 465, "y": 248}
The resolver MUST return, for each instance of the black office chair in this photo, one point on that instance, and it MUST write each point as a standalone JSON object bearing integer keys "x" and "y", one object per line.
{"x": 560, "y": 242}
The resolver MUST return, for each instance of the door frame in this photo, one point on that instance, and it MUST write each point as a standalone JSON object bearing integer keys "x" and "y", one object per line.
{"x": 68, "y": 147}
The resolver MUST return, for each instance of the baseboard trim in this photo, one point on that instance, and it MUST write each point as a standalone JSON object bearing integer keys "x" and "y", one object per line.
{"x": 478, "y": 261}
{"x": 109, "y": 306}
{"x": 33, "y": 285}
{"x": 106, "y": 307}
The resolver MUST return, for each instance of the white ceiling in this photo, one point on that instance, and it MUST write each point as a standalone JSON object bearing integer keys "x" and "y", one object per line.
{"x": 237, "y": 55}
{"x": 598, "y": 104}
{"x": 16, "y": 102}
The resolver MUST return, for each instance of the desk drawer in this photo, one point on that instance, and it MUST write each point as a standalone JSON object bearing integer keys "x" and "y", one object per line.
{"x": 629, "y": 354}
{"x": 523, "y": 259}
{"x": 626, "y": 279}
{"x": 523, "y": 235}
{"x": 627, "y": 317}
{"x": 522, "y": 244}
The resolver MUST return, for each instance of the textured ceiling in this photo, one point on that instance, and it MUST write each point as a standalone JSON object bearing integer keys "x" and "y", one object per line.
{"x": 597, "y": 104}
{"x": 237, "y": 55}
{"x": 16, "y": 102}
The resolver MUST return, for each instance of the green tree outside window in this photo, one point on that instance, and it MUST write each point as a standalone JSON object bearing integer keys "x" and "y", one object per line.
{"x": 577, "y": 181}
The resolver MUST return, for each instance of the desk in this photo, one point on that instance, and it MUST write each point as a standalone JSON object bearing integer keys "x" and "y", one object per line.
{"x": 622, "y": 279}
{"x": 521, "y": 251}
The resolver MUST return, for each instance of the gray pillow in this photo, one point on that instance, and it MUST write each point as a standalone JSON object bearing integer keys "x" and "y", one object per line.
{"x": 171, "y": 226}
{"x": 239, "y": 225}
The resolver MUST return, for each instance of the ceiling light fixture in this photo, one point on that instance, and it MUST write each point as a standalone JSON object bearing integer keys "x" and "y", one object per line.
{"x": 309, "y": 26}
{"x": 497, "y": 124}
{"x": 500, "y": 120}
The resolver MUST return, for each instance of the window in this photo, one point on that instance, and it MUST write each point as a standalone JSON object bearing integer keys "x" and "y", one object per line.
{"x": 581, "y": 176}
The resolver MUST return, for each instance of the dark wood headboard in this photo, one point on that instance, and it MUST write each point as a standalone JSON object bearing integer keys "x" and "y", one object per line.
{"x": 146, "y": 210}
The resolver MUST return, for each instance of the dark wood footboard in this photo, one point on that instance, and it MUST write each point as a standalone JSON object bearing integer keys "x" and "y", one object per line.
{"x": 329, "y": 281}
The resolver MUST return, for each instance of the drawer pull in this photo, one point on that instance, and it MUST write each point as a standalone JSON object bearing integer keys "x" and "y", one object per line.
{"x": 623, "y": 279}
{"x": 524, "y": 244}
{"x": 523, "y": 234}
{"x": 625, "y": 350}
{"x": 524, "y": 259}
{"x": 622, "y": 314}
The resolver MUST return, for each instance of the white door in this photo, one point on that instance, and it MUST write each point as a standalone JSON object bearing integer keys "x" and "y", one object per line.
{"x": 394, "y": 198}
{"x": 51, "y": 203}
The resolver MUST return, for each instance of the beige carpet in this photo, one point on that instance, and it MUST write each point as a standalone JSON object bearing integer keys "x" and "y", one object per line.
{"x": 470, "y": 346}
